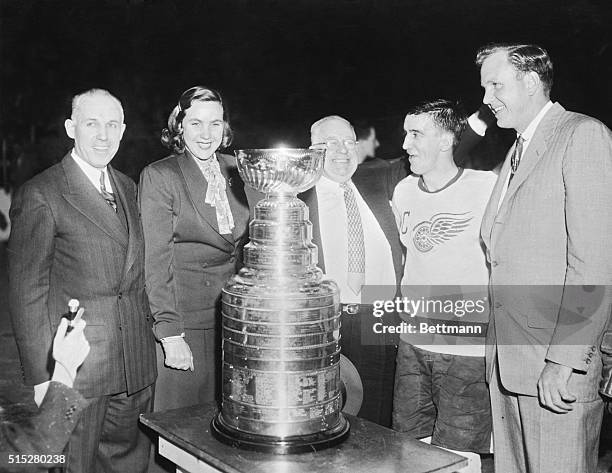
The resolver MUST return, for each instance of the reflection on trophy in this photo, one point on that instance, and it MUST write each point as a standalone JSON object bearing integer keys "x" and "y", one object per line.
{"x": 281, "y": 322}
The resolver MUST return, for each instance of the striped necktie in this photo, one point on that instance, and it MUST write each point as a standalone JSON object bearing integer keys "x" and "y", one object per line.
{"x": 108, "y": 196}
{"x": 355, "y": 241}
{"x": 515, "y": 160}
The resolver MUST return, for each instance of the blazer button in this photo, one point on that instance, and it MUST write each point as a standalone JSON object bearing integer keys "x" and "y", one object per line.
{"x": 494, "y": 263}
{"x": 120, "y": 295}
{"x": 207, "y": 283}
{"x": 498, "y": 305}
{"x": 232, "y": 259}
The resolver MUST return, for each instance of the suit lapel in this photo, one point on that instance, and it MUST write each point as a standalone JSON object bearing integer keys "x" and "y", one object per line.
{"x": 377, "y": 210}
{"x": 533, "y": 154}
{"x": 492, "y": 207}
{"x": 236, "y": 197}
{"x": 381, "y": 209}
{"x": 132, "y": 217}
{"x": 85, "y": 198}
{"x": 196, "y": 188}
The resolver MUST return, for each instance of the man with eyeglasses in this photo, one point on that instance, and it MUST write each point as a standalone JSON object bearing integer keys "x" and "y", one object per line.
{"x": 354, "y": 229}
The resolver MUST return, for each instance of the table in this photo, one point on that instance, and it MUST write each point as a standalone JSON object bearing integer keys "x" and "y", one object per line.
{"x": 185, "y": 439}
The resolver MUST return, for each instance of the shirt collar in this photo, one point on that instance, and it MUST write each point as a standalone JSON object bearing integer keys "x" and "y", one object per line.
{"x": 201, "y": 162}
{"x": 92, "y": 173}
{"x": 325, "y": 184}
{"x": 531, "y": 128}
{"x": 86, "y": 167}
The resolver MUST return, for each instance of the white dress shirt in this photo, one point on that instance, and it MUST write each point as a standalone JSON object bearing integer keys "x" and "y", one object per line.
{"x": 333, "y": 225}
{"x": 526, "y": 135}
{"x": 92, "y": 173}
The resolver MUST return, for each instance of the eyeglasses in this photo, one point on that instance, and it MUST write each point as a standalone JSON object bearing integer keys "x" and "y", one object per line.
{"x": 336, "y": 145}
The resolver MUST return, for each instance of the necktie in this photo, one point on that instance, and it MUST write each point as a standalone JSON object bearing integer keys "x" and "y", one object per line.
{"x": 108, "y": 197}
{"x": 215, "y": 193}
{"x": 515, "y": 160}
{"x": 355, "y": 241}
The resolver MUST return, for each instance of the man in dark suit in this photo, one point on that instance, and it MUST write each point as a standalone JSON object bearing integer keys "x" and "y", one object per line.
{"x": 336, "y": 204}
{"x": 76, "y": 233}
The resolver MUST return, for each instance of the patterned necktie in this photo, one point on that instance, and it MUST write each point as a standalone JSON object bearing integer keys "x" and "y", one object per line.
{"x": 108, "y": 197}
{"x": 355, "y": 241}
{"x": 215, "y": 193}
{"x": 515, "y": 160}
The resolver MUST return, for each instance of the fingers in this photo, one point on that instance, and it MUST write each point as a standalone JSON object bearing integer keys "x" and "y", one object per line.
{"x": 553, "y": 392}
{"x": 179, "y": 364}
{"x": 71, "y": 350}
{"x": 61, "y": 329}
{"x": 178, "y": 356}
{"x": 567, "y": 396}
{"x": 78, "y": 316}
{"x": 78, "y": 327}
{"x": 554, "y": 401}
{"x": 557, "y": 399}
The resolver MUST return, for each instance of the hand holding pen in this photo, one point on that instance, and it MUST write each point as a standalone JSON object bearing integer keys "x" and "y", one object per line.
{"x": 74, "y": 314}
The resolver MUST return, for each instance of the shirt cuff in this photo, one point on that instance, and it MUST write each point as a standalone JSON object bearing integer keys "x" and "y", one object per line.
{"x": 172, "y": 337}
{"x": 168, "y": 329}
{"x": 40, "y": 391}
{"x": 478, "y": 125}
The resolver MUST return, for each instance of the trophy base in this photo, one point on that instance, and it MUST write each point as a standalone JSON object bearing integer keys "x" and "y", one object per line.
{"x": 277, "y": 445}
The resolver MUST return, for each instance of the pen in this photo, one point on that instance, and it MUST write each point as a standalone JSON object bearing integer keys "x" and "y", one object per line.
{"x": 73, "y": 307}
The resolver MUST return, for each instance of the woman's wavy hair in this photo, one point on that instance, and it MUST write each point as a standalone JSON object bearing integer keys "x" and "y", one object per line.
{"x": 172, "y": 137}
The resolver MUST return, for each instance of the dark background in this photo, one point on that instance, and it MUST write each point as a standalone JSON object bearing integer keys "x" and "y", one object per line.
{"x": 280, "y": 65}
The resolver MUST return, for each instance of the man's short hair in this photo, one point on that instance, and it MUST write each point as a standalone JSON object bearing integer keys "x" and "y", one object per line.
{"x": 77, "y": 99}
{"x": 363, "y": 128}
{"x": 447, "y": 116}
{"x": 524, "y": 58}
{"x": 320, "y": 122}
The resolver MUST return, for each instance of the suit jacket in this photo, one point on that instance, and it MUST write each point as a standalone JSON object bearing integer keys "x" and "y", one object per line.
{"x": 187, "y": 260}
{"x": 548, "y": 246}
{"x": 377, "y": 196}
{"x": 47, "y": 432}
{"x": 67, "y": 242}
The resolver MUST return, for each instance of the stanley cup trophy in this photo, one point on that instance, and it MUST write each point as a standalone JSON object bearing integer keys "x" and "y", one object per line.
{"x": 281, "y": 322}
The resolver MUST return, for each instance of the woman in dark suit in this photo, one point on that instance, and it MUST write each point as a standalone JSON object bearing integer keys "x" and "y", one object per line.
{"x": 195, "y": 218}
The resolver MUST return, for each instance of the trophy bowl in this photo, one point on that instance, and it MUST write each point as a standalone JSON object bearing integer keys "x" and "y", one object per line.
{"x": 280, "y": 170}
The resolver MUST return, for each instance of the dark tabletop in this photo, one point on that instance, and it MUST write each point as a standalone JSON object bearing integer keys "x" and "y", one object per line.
{"x": 369, "y": 448}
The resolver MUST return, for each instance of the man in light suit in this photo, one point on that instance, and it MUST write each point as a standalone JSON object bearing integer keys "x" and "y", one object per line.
{"x": 546, "y": 230}
{"x": 76, "y": 233}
